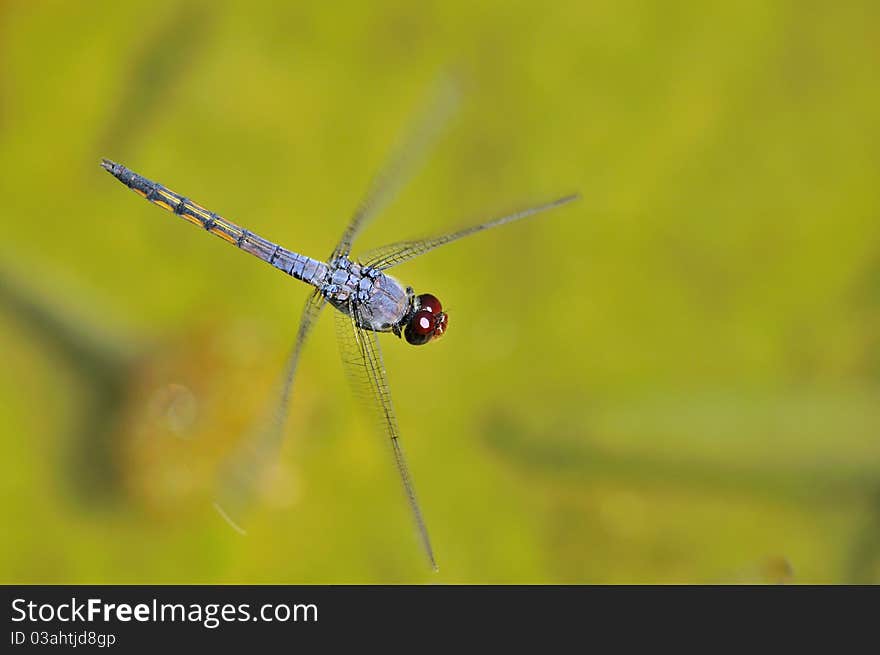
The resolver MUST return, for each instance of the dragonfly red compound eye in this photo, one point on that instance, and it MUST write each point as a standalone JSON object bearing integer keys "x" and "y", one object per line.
{"x": 423, "y": 322}
{"x": 430, "y": 303}
{"x": 420, "y": 328}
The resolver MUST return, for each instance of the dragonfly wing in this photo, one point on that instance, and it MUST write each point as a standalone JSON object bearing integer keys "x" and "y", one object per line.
{"x": 362, "y": 360}
{"x": 243, "y": 470}
{"x": 402, "y": 163}
{"x": 397, "y": 253}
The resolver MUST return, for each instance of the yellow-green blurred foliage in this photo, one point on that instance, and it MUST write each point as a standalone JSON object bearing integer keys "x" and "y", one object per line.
{"x": 675, "y": 380}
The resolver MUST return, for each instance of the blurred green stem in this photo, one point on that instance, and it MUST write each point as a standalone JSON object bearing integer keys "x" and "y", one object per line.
{"x": 101, "y": 362}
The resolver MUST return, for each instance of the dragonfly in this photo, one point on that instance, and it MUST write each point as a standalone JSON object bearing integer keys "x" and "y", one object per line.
{"x": 366, "y": 299}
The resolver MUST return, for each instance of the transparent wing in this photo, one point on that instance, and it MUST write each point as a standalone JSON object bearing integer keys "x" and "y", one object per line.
{"x": 243, "y": 470}
{"x": 402, "y": 251}
{"x": 362, "y": 360}
{"x": 402, "y": 164}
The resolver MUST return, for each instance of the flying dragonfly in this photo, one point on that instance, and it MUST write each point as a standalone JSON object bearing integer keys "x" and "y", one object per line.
{"x": 367, "y": 301}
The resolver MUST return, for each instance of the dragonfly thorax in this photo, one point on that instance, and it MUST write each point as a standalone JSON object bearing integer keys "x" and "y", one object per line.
{"x": 379, "y": 302}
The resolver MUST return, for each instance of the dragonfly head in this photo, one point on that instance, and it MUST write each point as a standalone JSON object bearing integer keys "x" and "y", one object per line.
{"x": 427, "y": 322}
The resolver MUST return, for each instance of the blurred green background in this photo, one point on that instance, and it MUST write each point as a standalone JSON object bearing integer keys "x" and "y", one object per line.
{"x": 675, "y": 380}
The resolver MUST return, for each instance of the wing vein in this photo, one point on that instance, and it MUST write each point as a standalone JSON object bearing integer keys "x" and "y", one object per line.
{"x": 397, "y": 253}
{"x": 362, "y": 357}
